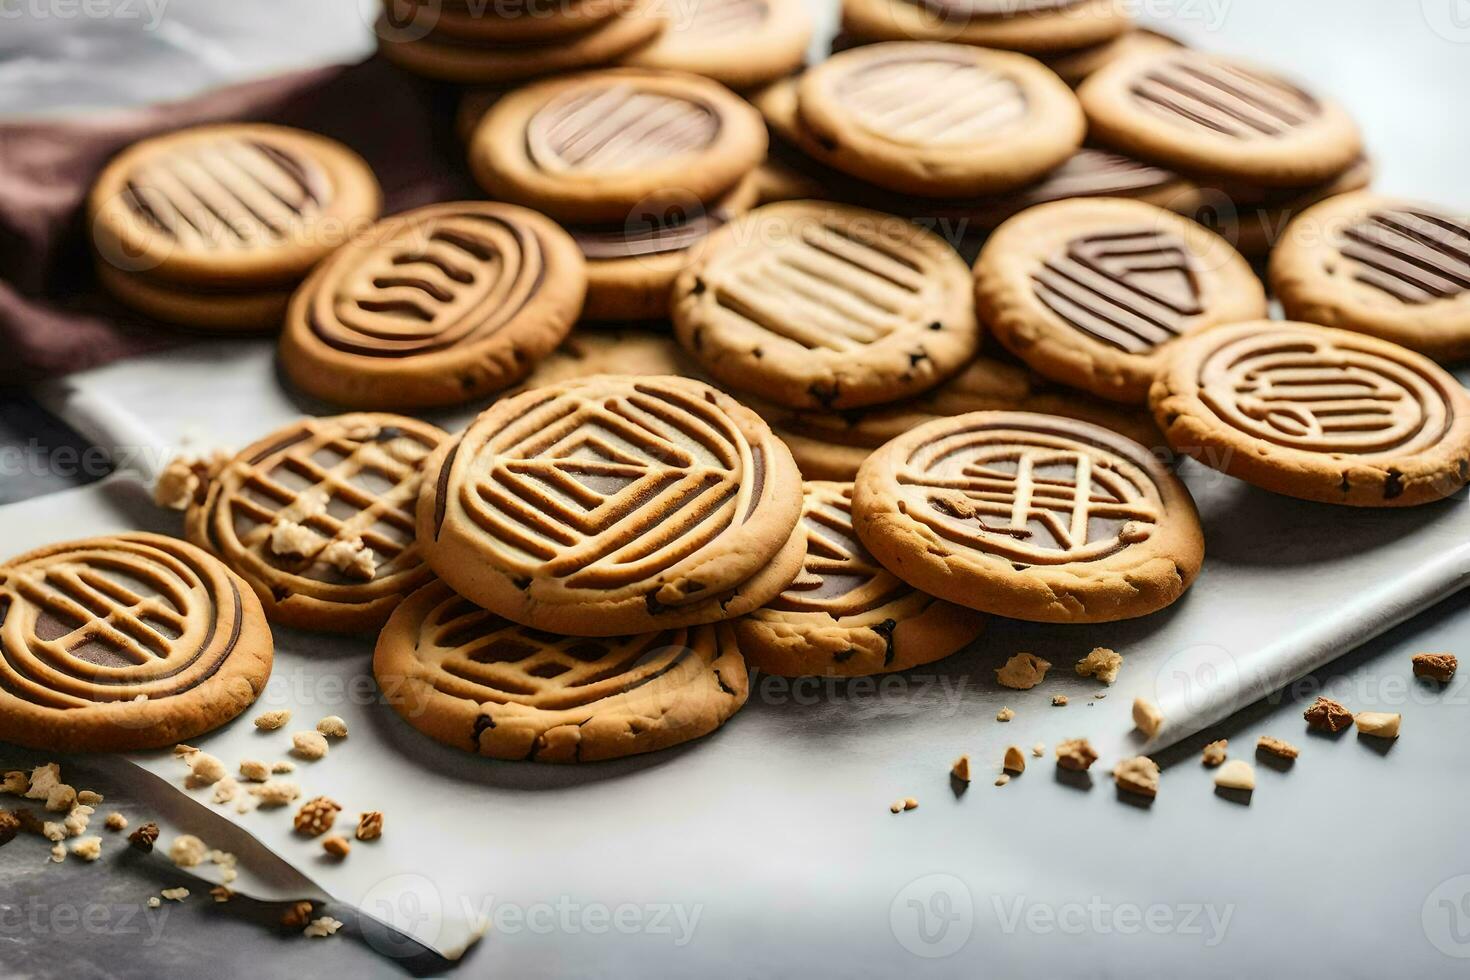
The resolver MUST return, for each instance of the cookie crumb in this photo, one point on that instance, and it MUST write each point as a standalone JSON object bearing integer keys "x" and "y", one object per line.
{"x": 205, "y": 769}
{"x": 61, "y": 799}
{"x": 297, "y": 916}
{"x": 1237, "y": 774}
{"x": 292, "y": 540}
{"x": 9, "y": 827}
{"x": 1002, "y": 779}
{"x": 1015, "y": 760}
{"x": 272, "y": 720}
{"x": 58, "y": 853}
{"x": 1102, "y": 664}
{"x": 226, "y": 790}
{"x": 144, "y": 837}
{"x": 1138, "y": 775}
{"x": 276, "y": 792}
{"x": 154, "y": 901}
{"x": 1076, "y": 754}
{"x": 187, "y": 851}
{"x": 87, "y": 848}
{"x": 255, "y": 771}
{"x": 1214, "y": 753}
{"x": 1004, "y": 714}
{"x": 1059, "y": 700}
{"x": 909, "y": 803}
{"x": 1276, "y": 747}
{"x": 88, "y": 798}
{"x": 1039, "y": 750}
{"x": 1327, "y": 715}
{"x": 1438, "y": 667}
{"x": 221, "y": 894}
{"x": 281, "y": 766}
{"x": 1022, "y": 672}
{"x": 337, "y": 846}
{"x": 174, "y": 894}
{"x": 43, "y": 780}
{"x": 316, "y": 816}
{"x": 1379, "y": 724}
{"x": 370, "y": 825}
{"x": 77, "y": 820}
{"x": 15, "y": 783}
{"x": 961, "y": 769}
{"x": 332, "y": 727}
{"x": 1147, "y": 717}
{"x": 896, "y": 806}
{"x": 321, "y": 928}
{"x": 352, "y": 558}
{"x": 185, "y": 476}
{"x": 53, "y": 831}
{"x": 309, "y": 745}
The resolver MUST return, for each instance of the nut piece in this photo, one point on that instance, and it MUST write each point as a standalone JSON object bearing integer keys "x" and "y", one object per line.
{"x": 1022, "y": 672}
{"x": 1075, "y": 754}
{"x": 961, "y": 769}
{"x": 1147, "y": 717}
{"x": 297, "y": 916}
{"x": 1015, "y": 760}
{"x": 316, "y": 816}
{"x": 309, "y": 745}
{"x": 1004, "y": 714}
{"x": 337, "y": 846}
{"x": 1214, "y": 753}
{"x": 1276, "y": 747}
{"x": 896, "y": 806}
{"x": 1326, "y": 715}
{"x": 88, "y": 798}
{"x": 9, "y": 826}
{"x": 1059, "y": 700}
{"x": 332, "y": 727}
{"x": 255, "y": 771}
{"x": 909, "y": 803}
{"x": 370, "y": 825}
{"x": 1002, "y": 779}
{"x": 1138, "y": 775}
{"x": 272, "y": 720}
{"x": 1236, "y": 774}
{"x": 1101, "y": 663}
{"x": 1439, "y": 667}
{"x": 144, "y": 837}
{"x": 187, "y": 851}
{"x": 1379, "y": 724}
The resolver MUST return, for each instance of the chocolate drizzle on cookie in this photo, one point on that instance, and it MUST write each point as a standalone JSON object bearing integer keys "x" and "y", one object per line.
{"x": 1415, "y": 256}
{"x": 1211, "y": 93}
{"x": 617, "y": 127}
{"x": 933, "y": 98}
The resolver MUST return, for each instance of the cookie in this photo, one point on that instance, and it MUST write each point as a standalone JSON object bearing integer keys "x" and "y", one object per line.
{"x": 318, "y": 518}
{"x": 503, "y": 22}
{"x": 1029, "y": 516}
{"x": 1091, "y": 293}
{"x": 1076, "y": 66}
{"x": 1255, "y": 219}
{"x": 601, "y": 146}
{"x": 477, "y": 682}
{"x": 833, "y": 445}
{"x": 1207, "y": 114}
{"x": 846, "y": 615}
{"x": 739, "y": 43}
{"x": 1396, "y": 269}
{"x": 631, "y": 267}
{"x": 590, "y": 351}
{"x": 442, "y": 56}
{"x": 1317, "y": 413}
{"x": 136, "y": 641}
{"x": 1033, "y": 26}
{"x": 938, "y": 120}
{"x": 436, "y": 306}
{"x": 222, "y": 311}
{"x": 613, "y": 505}
{"x": 826, "y": 306}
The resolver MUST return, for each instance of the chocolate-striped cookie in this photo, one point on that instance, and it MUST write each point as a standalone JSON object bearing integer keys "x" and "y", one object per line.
{"x": 826, "y": 306}
{"x": 480, "y": 683}
{"x": 613, "y": 505}
{"x": 128, "y": 642}
{"x": 1091, "y": 293}
{"x": 318, "y": 518}
{"x": 1392, "y": 268}
{"x": 740, "y": 43}
{"x": 1033, "y": 26}
{"x": 846, "y": 615}
{"x": 436, "y": 306}
{"x": 1317, "y": 413}
{"x": 608, "y": 145}
{"x": 1033, "y": 517}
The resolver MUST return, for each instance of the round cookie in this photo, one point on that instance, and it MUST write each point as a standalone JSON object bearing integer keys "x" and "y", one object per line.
{"x": 1091, "y": 293}
{"x": 833, "y": 445}
{"x": 1396, "y": 269}
{"x": 503, "y": 22}
{"x": 136, "y": 641}
{"x": 1074, "y": 67}
{"x": 846, "y": 615}
{"x": 1208, "y": 114}
{"x": 219, "y": 312}
{"x": 318, "y": 518}
{"x": 440, "y": 56}
{"x": 434, "y": 307}
{"x": 739, "y": 43}
{"x": 480, "y": 683}
{"x": 631, "y": 268}
{"x": 939, "y": 120}
{"x": 826, "y": 306}
{"x": 602, "y": 145}
{"x": 590, "y": 351}
{"x": 1255, "y": 221}
{"x": 613, "y": 505}
{"x": 237, "y": 206}
{"x": 1317, "y": 413}
{"x": 1028, "y": 516}
{"x": 1033, "y": 26}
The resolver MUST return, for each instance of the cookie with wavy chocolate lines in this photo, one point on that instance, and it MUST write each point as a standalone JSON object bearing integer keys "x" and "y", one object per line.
{"x": 1091, "y": 293}
{"x": 135, "y": 641}
{"x": 1317, "y": 413}
{"x": 436, "y": 306}
{"x": 318, "y": 518}
{"x": 833, "y": 445}
{"x": 938, "y": 120}
{"x": 211, "y": 227}
{"x": 611, "y": 505}
{"x": 1209, "y": 114}
{"x": 817, "y": 305}
{"x": 1396, "y": 269}
{"x": 846, "y": 615}
{"x": 481, "y": 683}
{"x": 740, "y": 43}
{"x": 1029, "y": 516}
{"x": 601, "y": 146}
{"x": 1033, "y": 26}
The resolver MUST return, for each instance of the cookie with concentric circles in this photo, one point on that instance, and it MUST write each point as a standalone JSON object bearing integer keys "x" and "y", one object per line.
{"x": 129, "y": 642}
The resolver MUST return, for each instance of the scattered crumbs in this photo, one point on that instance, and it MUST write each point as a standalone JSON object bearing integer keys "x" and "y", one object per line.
{"x": 1147, "y": 717}
{"x": 332, "y": 727}
{"x": 1002, "y": 779}
{"x": 1379, "y": 724}
{"x": 272, "y": 720}
{"x": 370, "y": 825}
{"x": 1039, "y": 749}
{"x": 1214, "y": 753}
{"x": 1276, "y": 747}
{"x": 1076, "y": 754}
{"x": 909, "y": 803}
{"x": 961, "y": 769}
{"x": 321, "y": 928}
{"x": 1438, "y": 667}
{"x": 58, "y": 853}
{"x": 87, "y": 848}
{"x": 337, "y": 846}
{"x": 1327, "y": 715}
{"x": 1059, "y": 700}
{"x": 175, "y": 894}
{"x": 309, "y": 745}
{"x": 1102, "y": 664}
{"x": 896, "y": 806}
{"x": 297, "y": 915}
{"x": 1139, "y": 775}
{"x": 254, "y": 771}
{"x": 1004, "y": 714}
{"x": 154, "y": 901}
{"x": 1237, "y": 774}
{"x": 1022, "y": 672}
{"x": 187, "y": 851}
{"x": 221, "y": 894}
{"x": 1015, "y": 760}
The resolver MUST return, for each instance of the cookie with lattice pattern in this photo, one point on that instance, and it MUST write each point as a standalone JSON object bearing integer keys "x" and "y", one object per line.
{"x": 127, "y": 642}
{"x": 612, "y": 505}
{"x": 478, "y": 682}
{"x": 846, "y": 615}
{"x": 319, "y": 518}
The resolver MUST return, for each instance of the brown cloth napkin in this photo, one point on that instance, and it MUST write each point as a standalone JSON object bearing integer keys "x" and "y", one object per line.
{"x": 53, "y": 317}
